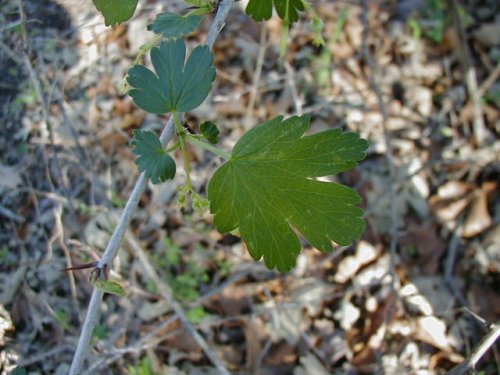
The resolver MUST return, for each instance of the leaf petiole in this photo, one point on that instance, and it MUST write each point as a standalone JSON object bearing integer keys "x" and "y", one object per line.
{"x": 207, "y": 146}
{"x": 173, "y": 148}
{"x": 145, "y": 48}
{"x": 181, "y": 133}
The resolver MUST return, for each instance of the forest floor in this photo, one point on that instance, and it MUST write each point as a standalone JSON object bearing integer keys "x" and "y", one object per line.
{"x": 415, "y": 295}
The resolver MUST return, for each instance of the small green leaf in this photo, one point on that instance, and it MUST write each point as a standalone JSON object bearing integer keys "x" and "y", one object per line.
{"x": 210, "y": 131}
{"x": 288, "y": 10}
{"x": 109, "y": 286}
{"x": 172, "y": 25}
{"x": 196, "y": 315}
{"x": 115, "y": 11}
{"x": 268, "y": 190}
{"x": 260, "y": 10}
{"x": 153, "y": 160}
{"x": 176, "y": 87}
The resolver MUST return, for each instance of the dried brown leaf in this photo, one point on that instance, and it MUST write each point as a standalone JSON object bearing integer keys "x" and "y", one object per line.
{"x": 232, "y": 301}
{"x": 254, "y": 331}
{"x": 454, "y": 189}
{"x": 282, "y": 354}
{"x": 448, "y": 210}
{"x": 428, "y": 244}
{"x": 349, "y": 266}
{"x": 478, "y": 218}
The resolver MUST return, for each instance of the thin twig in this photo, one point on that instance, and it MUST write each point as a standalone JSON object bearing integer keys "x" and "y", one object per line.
{"x": 137, "y": 348}
{"x": 167, "y": 294}
{"x": 11, "y": 54}
{"x": 450, "y": 266}
{"x": 479, "y": 127}
{"x": 151, "y": 340}
{"x": 388, "y": 142}
{"x": 114, "y": 243}
{"x": 256, "y": 76}
{"x": 290, "y": 80}
{"x": 484, "y": 345}
{"x": 25, "y": 362}
{"x": 58, "y": 236}
{"x": 492, "y": 78}
{"x": 230, "y": 281}
{"x": 4, "y": 211}
{"x": 36, "y": 81}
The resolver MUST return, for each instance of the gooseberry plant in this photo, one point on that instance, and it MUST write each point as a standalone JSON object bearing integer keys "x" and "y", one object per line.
{"x": 267, "y": 190}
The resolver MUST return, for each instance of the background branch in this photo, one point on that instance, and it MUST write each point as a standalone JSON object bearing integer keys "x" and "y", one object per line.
{"x": 478, "y": 126}
{"x": 167, "y": 294}
{"x": 393, "y": 173}
{"x": 486, "y": 343}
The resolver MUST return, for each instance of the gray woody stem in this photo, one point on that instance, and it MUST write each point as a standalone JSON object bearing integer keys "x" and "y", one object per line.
{"x": 114, "y": 243}
{"x": 469, "y": 365}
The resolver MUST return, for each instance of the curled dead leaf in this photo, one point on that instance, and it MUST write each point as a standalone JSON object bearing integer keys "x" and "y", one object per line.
{"x": 478, "y": 218}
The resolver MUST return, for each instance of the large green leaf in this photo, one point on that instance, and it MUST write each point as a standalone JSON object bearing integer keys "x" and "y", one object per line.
{"x": 288, "y": 10}
{"x": 152, "y": 158}
{"x": 115, "y": 11}
{"x": 173, "y": 25}
{"x": 268, "y": 190}
{"x": 175, "y": 87}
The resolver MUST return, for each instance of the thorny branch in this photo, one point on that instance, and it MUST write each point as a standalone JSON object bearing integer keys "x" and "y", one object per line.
{"x": 486, "y": 343}
{"x": 119, "y": 232}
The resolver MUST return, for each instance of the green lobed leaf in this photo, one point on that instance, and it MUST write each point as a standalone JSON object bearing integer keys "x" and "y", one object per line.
{"x": 153, "y": 159}
{"x": 172, "y": 25}
{"x": 175, "y": 87}
{"x": 268, "y": 190}
{"x": 288, "y": 10}
{"x": 260, "y": 10}
{"x": 210, "y": 131}
{"x": 115, "y": 11}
